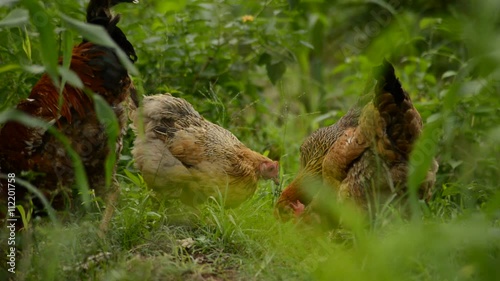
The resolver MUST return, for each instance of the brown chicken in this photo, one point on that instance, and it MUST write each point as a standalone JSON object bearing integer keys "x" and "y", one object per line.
{"x": 36, "y": 151}
{"x": 182, "y": 155}
{"x": 364, "y": 156}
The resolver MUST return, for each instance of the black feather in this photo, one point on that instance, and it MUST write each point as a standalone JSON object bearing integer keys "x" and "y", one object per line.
{"x": 98, "y": 12}
{"x": 388, "y": 82}
{"x": 108, "y": 66}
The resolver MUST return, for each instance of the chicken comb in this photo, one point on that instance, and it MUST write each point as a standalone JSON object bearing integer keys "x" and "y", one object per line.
{"x": 388, "y": 82}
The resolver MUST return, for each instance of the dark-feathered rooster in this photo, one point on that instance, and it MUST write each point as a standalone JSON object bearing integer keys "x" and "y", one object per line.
{"x": 364, "y": 156}
{"x": 33, "y": 150}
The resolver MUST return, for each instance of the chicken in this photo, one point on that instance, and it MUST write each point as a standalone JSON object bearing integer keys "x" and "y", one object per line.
{"x": 182, "y": 155}
{"x": 300, "y": 191}
{"x": 364, "y": 156}
{"x": 36, "y": 151}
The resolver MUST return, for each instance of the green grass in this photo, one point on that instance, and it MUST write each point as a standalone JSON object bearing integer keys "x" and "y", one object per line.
{"x": 167, "y": 241}
{"x": 164, "y": 240}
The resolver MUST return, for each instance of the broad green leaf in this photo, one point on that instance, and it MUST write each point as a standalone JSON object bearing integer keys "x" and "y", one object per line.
{"x": 132, "y": 177}
{"x": 293, "y": 3}
{"x": 67, "y": 74}
{"x": 275, "y": 71}
{"x": 67, "y": 48}
{"x": 7, "y": 2}
{"x": 265, "y": 58}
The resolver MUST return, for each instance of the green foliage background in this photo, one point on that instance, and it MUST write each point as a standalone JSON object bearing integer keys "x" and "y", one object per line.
{"x": 297, "y": 66}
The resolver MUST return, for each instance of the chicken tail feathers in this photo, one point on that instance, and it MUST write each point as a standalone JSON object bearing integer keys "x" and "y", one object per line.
{"x": 399, "y": 120}
{"x": 387, "y": 82}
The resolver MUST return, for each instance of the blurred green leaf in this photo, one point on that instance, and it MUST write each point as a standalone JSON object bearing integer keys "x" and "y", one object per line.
{"x": 8, "y": 2}
{"x": 384, "y": 4}
{"x": 429, "y": 22}
{"x": 134, "y": 178}
{"x": 98, "y": 35}
{"x": 421, "y": 159}
{"x": 25, "y": 216}
{"x": 46, "y": 204}
{"x": 71, "y": 77}
{"x": 27, "y": 44}
{"x": 67, "y": 48}
{"x": 451, "y": 190}
{"x": 449, "y": 73}
{"x": 264, "y": 58}
{"x": 307, "y": 44}
{"x": 293, "y": 3}
{"x": 9, "y": 67}
{"x": 48, "y": 47}
{"x": 275, "y": 71}
{"x": 108, "y": 119}
{"x": 34, "y": 69}
{"x": 16, "y": 17}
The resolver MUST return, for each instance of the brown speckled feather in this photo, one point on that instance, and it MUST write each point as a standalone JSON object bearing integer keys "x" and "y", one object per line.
{"x": 377, "y": 161}
{"x": 312, "y": 153}
{"x": 364, "y": 156}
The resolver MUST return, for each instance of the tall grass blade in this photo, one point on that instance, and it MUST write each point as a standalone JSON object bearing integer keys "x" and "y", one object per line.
{"x": 43, "y": 23}
{"x": 107, "y": 117}
{"x": 421, "y": 160}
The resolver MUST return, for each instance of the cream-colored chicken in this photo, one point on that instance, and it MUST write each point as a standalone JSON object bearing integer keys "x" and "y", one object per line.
{"x": 182, "y": 155}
